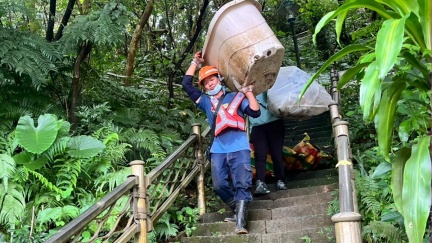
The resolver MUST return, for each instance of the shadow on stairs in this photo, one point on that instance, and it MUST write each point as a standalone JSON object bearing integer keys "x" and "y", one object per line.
{"x": 298, "y": 214}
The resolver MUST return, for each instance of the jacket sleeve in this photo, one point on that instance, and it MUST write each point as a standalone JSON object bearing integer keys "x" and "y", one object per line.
{"x": 254, "y": 114}
{"x": 193, "y": 93}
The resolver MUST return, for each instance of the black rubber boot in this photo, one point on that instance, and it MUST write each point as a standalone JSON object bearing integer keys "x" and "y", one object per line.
{"x": 241, "y": 217}
{"x": 232, "y": 205}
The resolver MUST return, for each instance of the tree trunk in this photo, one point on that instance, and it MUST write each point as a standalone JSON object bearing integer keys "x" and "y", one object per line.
{"x": 135, "y": 39}
{"x": 187, "y": 50}
{"x": 76, "y": 83}
{"x": 65, "y": 19}
{"x": 51, "y": 16}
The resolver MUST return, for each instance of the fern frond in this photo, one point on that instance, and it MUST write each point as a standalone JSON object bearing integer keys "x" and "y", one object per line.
{"x": 7, "y": 168}
{"x": 111, "y": 180}
{"x": 68, "y": 173}
{"x": 13, "y": 203}
{"x": 384, "y": 232}
{"x": 57, "y": 148}
{"x": 57, "y": 215}
{"x": 45, "y": 181}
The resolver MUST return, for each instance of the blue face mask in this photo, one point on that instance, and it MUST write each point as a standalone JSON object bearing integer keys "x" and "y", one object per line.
{"x": 215, "y": 90}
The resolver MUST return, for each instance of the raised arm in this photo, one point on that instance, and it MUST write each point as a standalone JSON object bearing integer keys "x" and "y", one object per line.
{"x": 193, "y": 93}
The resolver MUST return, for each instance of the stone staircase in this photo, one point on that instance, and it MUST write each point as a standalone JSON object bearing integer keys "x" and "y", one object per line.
{"x": 298, "y": 214}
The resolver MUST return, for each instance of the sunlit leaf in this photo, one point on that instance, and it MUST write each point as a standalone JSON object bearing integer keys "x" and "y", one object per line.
{"x": 369, "y": 89}
{"x": 416, "y": 193}
{"x": 385, "y": 117}
{"x": 350, "y": 74}
{"x": 389, "y": 44}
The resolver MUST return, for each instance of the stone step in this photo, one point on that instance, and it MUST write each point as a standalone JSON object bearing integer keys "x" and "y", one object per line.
{"x": 312, "y": 182}
{"x": 315, "y": 235}
{"x": 283, "y": 225}
{"x": 291, "y": 201}
{"x": 297, "y": 191}
{"x": 269, "y": 214}
{"x": 302, "y": 175}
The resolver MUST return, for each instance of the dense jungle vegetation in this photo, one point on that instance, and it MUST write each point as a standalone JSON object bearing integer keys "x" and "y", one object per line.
{"x": 88, "y": 86}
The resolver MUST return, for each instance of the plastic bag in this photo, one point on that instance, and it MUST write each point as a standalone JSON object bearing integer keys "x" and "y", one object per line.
{"x": 282, "y": 97}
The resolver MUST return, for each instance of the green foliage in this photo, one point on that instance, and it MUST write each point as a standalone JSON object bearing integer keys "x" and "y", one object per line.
{"x": 379, "y": 231}
{"x": 26, "y": 54}
{"x": 13, "y": 204}
{"x": 188, "y": 219}
{"x": 104, "y": 27}
{"x": 37, "y": 139}
{"x": 163, "y": 229}
{"x": 387, "y": 74}
{"x": 57, "y": 215}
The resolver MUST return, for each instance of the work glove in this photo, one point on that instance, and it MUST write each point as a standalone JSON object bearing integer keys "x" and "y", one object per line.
{"x": 245, "y": 89}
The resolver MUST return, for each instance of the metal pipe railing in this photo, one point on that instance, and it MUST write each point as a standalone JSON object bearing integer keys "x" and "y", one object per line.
{"x": 347, "y": 221}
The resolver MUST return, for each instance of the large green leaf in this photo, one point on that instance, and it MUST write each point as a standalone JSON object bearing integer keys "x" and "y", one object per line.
{"x": 370, "y": 4}
{"x": 340, "y": 54}
{"x": 416, "y": 193}
{"x": 40, "y": 138}
{"x": 403, "y": 7}
{"x": 23, "y": 157}
{"x": 369, "y": 90}
{"x": 37, "y": 164}
{"x": 389, "y": 44}
{"x": 339, "y": 24}
{"x": 84, "y": 147}
{"x": 398, "y": 165}
{"x": 385, "y": 117}
{"x": 351, "y": 73}
{"x": 425, "y": 21}
{"x": 414, "y": 30}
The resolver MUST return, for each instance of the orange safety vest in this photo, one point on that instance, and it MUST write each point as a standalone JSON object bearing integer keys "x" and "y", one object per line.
{"x": 228, "y": 117}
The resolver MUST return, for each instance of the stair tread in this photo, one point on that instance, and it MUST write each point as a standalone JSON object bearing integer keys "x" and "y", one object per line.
{"x": 286, "y": 224}
{"x": 317, "y": 235}
{"x": 269, "y": 214}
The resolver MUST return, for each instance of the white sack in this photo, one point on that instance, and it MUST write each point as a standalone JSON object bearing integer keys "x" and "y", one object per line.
{"x": 282, "y": 97}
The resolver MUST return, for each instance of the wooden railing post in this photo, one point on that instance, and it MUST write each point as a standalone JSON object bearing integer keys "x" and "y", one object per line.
{"x": 140, "y": 209}
{"x": 347, "y": 221}
{"x": 196, "y": 129}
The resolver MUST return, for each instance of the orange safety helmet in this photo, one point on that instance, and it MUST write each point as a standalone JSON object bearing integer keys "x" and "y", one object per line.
{"x": 205, "y": 72}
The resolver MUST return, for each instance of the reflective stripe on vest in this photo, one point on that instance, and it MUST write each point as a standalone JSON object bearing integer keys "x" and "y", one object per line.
{"x": 229, "y": 117}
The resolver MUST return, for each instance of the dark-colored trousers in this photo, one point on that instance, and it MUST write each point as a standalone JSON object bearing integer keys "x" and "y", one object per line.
{"x": 265, "y": 138}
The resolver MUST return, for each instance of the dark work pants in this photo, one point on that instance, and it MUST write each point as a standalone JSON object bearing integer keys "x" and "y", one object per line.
{"x": 269, "y": 137}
